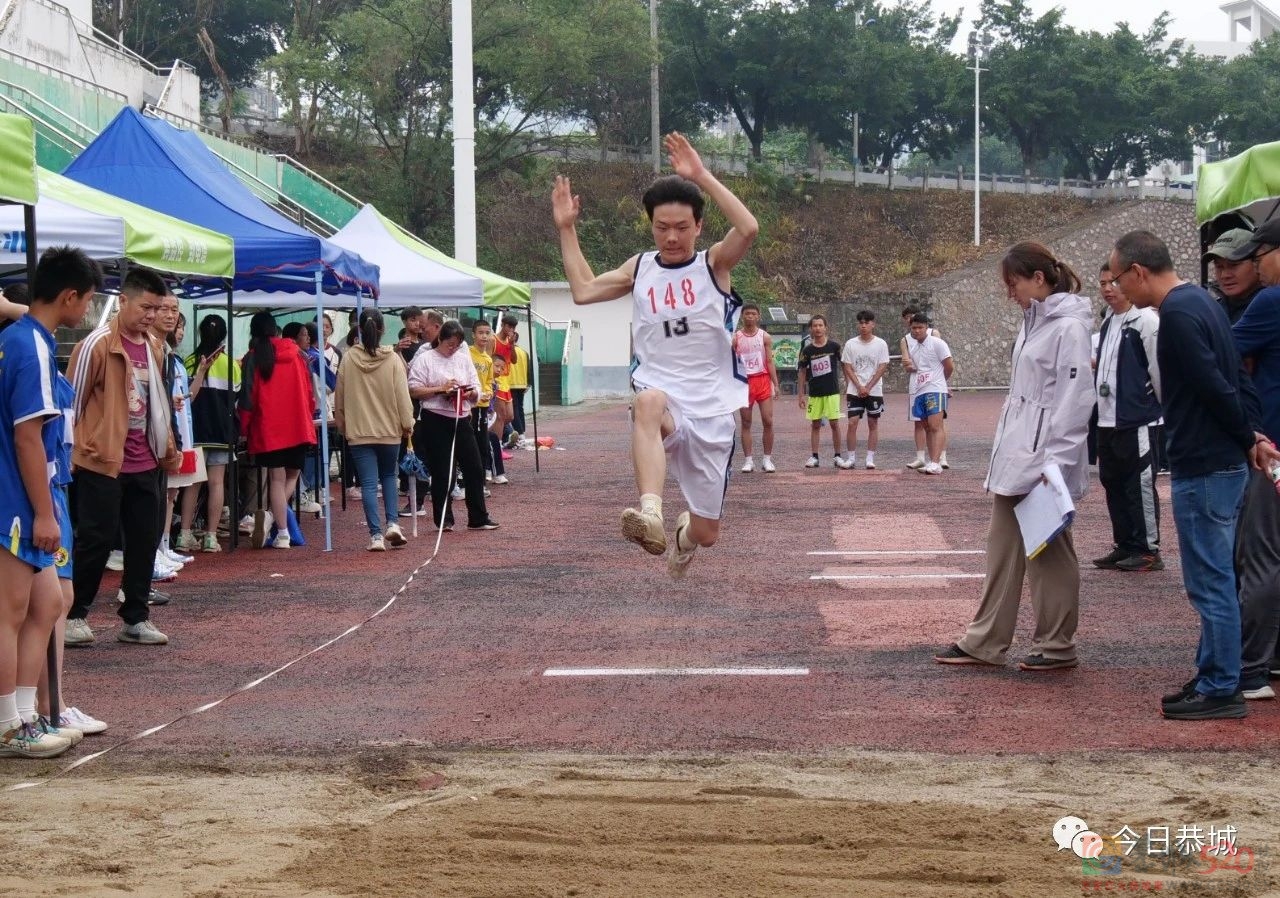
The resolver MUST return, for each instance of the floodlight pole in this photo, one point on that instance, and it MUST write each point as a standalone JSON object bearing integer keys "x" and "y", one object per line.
{"x": 977, "y": 50}
{"x": 655, "y": 136}
{"x": 464, "y": 136}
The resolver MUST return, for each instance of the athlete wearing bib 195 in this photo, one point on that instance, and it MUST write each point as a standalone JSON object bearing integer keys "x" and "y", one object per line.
{"x": 682, "y": 330}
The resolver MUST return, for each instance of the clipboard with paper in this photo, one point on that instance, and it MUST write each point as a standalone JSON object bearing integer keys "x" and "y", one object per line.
{"x": 1044, "y": 512}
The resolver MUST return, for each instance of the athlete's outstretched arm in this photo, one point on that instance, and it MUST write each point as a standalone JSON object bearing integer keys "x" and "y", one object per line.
{"x": 585, "y": 286}
{"x": 744, "y": 227}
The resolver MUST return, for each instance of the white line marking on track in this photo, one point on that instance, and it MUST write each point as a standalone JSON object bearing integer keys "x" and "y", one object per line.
{"x": 676, "y": 672}
{"x": 874, "y": 553}
{"x": 897, "y": 576}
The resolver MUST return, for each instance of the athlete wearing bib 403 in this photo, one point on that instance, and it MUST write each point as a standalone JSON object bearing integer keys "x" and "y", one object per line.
{"x": 687, "y": 379}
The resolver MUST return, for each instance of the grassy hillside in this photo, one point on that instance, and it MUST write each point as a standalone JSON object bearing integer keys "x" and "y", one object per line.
{"x": 816, "y": 240}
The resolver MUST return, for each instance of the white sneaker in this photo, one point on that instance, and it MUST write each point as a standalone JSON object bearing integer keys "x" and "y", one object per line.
{"x": 174, "y": 559}
{"x": 377, "y": 544}
{"x": 645, "y": 530}
{"x": 162, "y": 573}
{"x": 458, "y": 493}
{"x": 262, "y": 521}
{"x": 27, "y": 741}
{"x": 70, "y": 733}
{"x": 931, "y": 468}
{"x": 488, "y": 477}
{"x": 767, "y": 465}
{"x": 871, "y": 461}
{"x": 917, "y": 464}
{"x": 281, "y": 541}
{"x": 143, "y": 633}
{"x": 677, "y": 561}
{"x": 353, "y": 492}
{"x": 395, "y": 537}
{"x": 74, "y": 717}
{"x": 501, "y": 479}
{"x": 842, "y": 463}
{"x": 852, "y": 459}
{"x": 749, "y": 465}
{"x": 309, "y": 505}
{"x": 942, "y": 460}
{"x": 115, "y": 561}
{"x": 812, "y": 462}
{"x": 1260, "y": 693}
{"x": 246, "y": 525}
{"x": 78, "y": 632}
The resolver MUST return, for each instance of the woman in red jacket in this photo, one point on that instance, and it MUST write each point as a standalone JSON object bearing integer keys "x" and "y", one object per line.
{"x": 277, "y": 406}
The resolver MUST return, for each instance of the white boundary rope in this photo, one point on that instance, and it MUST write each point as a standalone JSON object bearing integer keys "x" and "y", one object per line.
{"x": 253, "y": 684}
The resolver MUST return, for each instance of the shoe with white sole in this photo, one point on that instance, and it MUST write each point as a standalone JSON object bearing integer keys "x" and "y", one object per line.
{"x": 246, "y": 525}
{"x": 749, "y": 465}
{"x": 768, "y": 466}
{"x": 262, "y": 521}
{"x": 917, "y": 464}
{"x": 142, "y": 633}
{"x": 162, "y": 573}
{"x": 377, "y": 543}
{"x": 309, "y": 505}
{"x": 812, "y": 462}
{"x": 77, "y": 719}
{"x": 677, "y": 561}
{"x": 871, "y": 462}
{"x": 45, "y": 725}
{"x": 645, "y": 530}
{"x": 24, "y": 740}
{"x": 186, "y": 542}
{"x": 942, "y": 460}
{"x": 78, "y": 632}
{"x": 209, "y": 543}
{"x": 842, "y": 463}
{"x": 931, "y": 468}
{"x": 174, "y": 559}
{"x": 282, "y": 540}
{"x": 115, "y": 561}
{"x": 1262, "y": 692}
{"x": 395, "y": 537}
{"x": 501, "y": 479}
{"x": 458, "y": 493}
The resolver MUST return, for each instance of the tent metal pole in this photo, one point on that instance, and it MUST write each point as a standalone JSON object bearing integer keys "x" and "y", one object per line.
{"x": 533, "y": 386}
{"x": 29, "y": 225}
{"x": 324, "y": 424}
{"x": 233, "y": 475}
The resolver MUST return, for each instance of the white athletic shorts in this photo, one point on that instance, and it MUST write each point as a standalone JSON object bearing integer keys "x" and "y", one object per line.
{"x": 699, "y": 456}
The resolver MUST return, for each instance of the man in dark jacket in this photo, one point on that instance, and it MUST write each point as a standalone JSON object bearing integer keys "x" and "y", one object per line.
{"x": 1211, "y": 414}
{"x": 1126, "y": 381}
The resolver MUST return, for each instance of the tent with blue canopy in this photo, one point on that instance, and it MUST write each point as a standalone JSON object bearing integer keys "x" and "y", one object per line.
{"x": 154, "y": 164}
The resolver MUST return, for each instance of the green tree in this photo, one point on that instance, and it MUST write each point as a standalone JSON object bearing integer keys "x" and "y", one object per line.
{"x": 163, "y": 31}
{"x": 1248, "y": 98}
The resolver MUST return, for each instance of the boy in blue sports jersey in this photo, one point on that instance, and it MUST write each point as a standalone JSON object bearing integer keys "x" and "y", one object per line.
{"x": 37, "y": 528}
{"x": 688, "y": 385}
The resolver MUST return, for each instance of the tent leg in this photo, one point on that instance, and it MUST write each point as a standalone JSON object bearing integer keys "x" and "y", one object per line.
{"x": 29, "y": 224}
{"x": 324, "y": 429}
{"x": 533, "y": 387}
{"x": 233, "y": 469}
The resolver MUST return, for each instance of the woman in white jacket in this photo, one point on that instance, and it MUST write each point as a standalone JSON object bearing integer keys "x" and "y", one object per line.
{"x": 1045, "y": 421}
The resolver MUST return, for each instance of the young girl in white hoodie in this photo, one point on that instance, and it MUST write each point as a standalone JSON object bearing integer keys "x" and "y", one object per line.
{"x": 1045, "y": 421}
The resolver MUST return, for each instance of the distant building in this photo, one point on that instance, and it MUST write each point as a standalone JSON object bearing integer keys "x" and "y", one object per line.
{"x": 1249, "y": 21}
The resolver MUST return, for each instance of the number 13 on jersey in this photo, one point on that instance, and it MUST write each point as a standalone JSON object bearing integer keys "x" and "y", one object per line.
{"x": 669, "y": 300}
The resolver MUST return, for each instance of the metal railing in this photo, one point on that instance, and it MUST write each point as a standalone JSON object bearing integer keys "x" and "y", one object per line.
{"x": 87, "y": 134}
{"x": 318, "y": 178}
{"x": 63, "y": 74}
{"x": 70, "y": 144}
{"x": 268, "y": 193}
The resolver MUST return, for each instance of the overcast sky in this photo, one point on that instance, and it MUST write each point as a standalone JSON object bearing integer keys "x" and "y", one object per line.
{"x": 1200, "y": 19}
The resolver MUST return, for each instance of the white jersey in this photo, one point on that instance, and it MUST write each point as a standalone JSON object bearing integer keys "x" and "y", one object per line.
{"x": 927, "y": 358}
{"x": 865, "y": 358}
{"x": 682, "y": 327}
{"x": 750, "y": 350}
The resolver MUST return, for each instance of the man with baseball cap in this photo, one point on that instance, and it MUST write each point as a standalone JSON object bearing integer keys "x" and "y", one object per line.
{"x": 1234, "y": 270}
{"x": 1257, "y": 337}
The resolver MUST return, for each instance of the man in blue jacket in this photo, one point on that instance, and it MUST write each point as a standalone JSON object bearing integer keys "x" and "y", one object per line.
{"x": 1126, "y": 381}
{"x": 1257, "y": 337}
{"x": 1211, "y": 415}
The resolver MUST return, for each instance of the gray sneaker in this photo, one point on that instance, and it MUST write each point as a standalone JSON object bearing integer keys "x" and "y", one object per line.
{"x": 78, "y": 632}
{"x": 142, "y": 633}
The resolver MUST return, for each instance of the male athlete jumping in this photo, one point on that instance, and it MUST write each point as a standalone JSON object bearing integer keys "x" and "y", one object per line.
{"x": 688, "y": 387}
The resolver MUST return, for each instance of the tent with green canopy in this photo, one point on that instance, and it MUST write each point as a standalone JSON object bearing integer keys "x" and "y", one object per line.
{"x": 1242, "y": 191}
{"x": 110, "y": 229}
{"x": 17, "y": 160}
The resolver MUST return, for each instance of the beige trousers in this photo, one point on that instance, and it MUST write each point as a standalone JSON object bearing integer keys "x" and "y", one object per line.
{"x": 1054, "y": 578}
